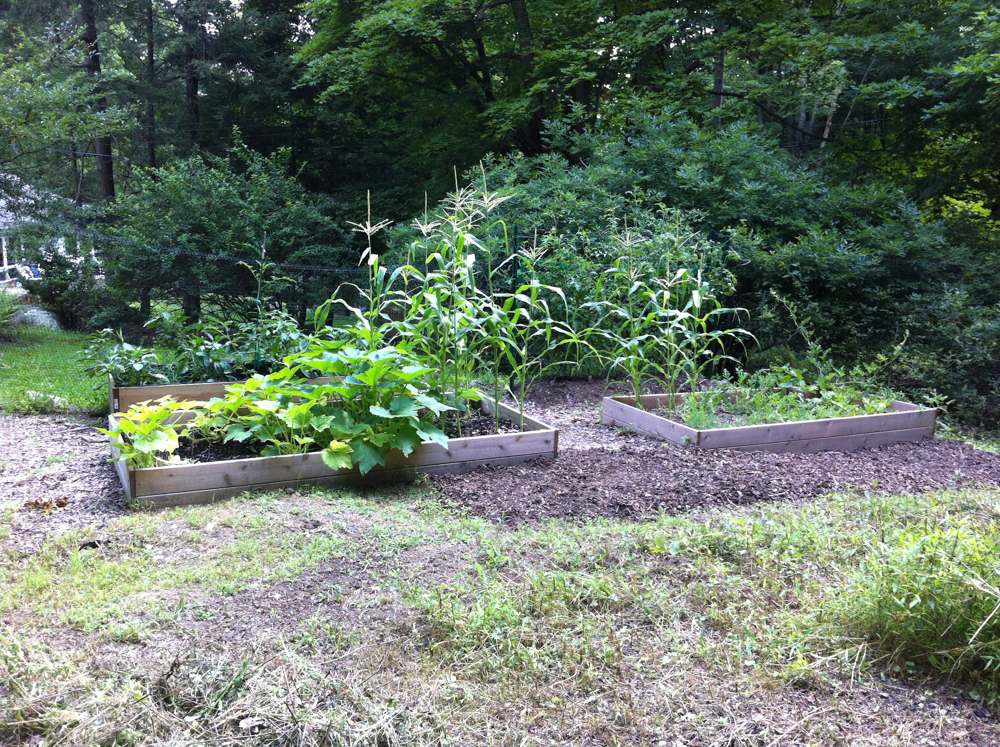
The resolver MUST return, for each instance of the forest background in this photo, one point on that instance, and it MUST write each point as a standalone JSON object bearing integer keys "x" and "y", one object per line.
{"x": 842, "y": 154}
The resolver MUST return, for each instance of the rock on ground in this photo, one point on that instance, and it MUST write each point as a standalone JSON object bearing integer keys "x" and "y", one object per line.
{"x": 36, "y": 316}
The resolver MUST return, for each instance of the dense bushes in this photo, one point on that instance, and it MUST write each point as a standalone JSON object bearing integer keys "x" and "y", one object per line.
{"x": 68, "y": 284}
{"x": 196, "y": 351}
{"x": 204, "y": 207}
{"x": 863, "y": 264}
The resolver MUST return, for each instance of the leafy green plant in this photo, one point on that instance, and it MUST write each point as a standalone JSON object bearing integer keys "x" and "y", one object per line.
{"x": 523, "y": 331}
{"x": 929, "y": 594}
{"x": 374, "y": 402}
{"x": 8, "y": 308}
{"x": 775, "y": 397}
{"x": 147, "y": 431}
{"x": 107, "y": 352}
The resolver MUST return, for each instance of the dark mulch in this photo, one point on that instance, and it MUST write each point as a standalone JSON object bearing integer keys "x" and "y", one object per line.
{"x": 639, "y": 480}
{"x": 573, "y": 392}
{"x": 214, "y": 451}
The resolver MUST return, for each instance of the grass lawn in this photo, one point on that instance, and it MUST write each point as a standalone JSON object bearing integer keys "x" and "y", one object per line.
{"x": 41, "y": 360}
{"x": 384, "y": 618}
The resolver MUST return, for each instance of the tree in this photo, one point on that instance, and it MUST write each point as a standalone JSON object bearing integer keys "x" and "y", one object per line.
{"x": 92, "y": 64}
{"x": 47, "y": 105}
{"x": 210, "y": 210}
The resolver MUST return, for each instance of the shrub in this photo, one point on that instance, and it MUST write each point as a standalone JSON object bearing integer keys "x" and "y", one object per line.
{"x": 860, "y": 259}
{"x": 8, "y": 308}
{"x": 68, "y": 285}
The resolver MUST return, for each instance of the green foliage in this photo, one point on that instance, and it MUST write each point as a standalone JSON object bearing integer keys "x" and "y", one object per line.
{"x": 953, "y": 354}
{"x": 226, "y": 206}
{"x": 108, "y": 353}
{"x": 376, "y": 401}
{"x": 148, "y": 430}
{"x": 659, "y": 322}
{"x": 777, "y": 396}
{"x": 46, "y": 101}
{"x": 929, "y": 595}
{"x": 68, "y": 285}
{"x": 8, "y": 308}
{"x": 199, "y": 351}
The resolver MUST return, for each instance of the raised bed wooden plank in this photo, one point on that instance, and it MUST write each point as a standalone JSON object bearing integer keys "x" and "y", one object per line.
{"x": 514, "y": 416}
{"x": 907, "y": 423}
{"x": 621, "y": 413}
{"x": 186, "y": 483}
{"x": 841, "y": 443}
{"x": 717, "y": 438}
{"x": 352, "y": 479}
{"x": 635, "y": 429}
{"x": 255, "y": 470}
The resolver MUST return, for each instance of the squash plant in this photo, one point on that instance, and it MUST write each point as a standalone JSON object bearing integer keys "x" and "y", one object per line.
{"x": 375, "y": 401}
{"x": 147, "y": 430}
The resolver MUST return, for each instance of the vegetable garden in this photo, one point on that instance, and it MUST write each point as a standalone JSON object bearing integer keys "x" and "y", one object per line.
{"x": 394, "y": 376}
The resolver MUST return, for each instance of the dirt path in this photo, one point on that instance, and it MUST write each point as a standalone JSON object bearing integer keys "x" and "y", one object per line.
{"x": 55, "y": 474}
{"x": 611, "y": 473}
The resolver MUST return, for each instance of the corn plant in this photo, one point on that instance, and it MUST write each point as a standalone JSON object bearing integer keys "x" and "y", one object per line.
{"x": 443, "y": 319}
{"x": 658, "y": 324}
{"x": 523, "y": 329}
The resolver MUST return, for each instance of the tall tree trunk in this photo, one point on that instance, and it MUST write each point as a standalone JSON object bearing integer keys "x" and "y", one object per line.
{"x": 92, "y": 64}
{"x": 191, "y": 304}
{"x": 529, "y": 134}
{"x": 77, "y": 177}
{"x": 719, "y": 90}
{"x": 192, "y": 27}
{"x": 151, "y": 79}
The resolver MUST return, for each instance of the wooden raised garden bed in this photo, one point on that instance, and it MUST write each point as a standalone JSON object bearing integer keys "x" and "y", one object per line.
{"x": 907, "y": 422}
{"x": 183, "y": 484}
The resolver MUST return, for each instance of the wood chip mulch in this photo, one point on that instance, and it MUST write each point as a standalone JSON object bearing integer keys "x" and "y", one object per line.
{"x": 642, "y": 477}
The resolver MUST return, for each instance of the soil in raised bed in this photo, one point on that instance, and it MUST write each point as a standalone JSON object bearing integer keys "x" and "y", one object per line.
{"x": 477, "y": 423}
{"x": 214, "y": 451}
{"x": 638, "y": 481}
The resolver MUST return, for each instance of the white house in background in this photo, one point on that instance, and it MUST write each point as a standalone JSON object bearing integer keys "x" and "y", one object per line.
{"x": 13, "y": 266}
